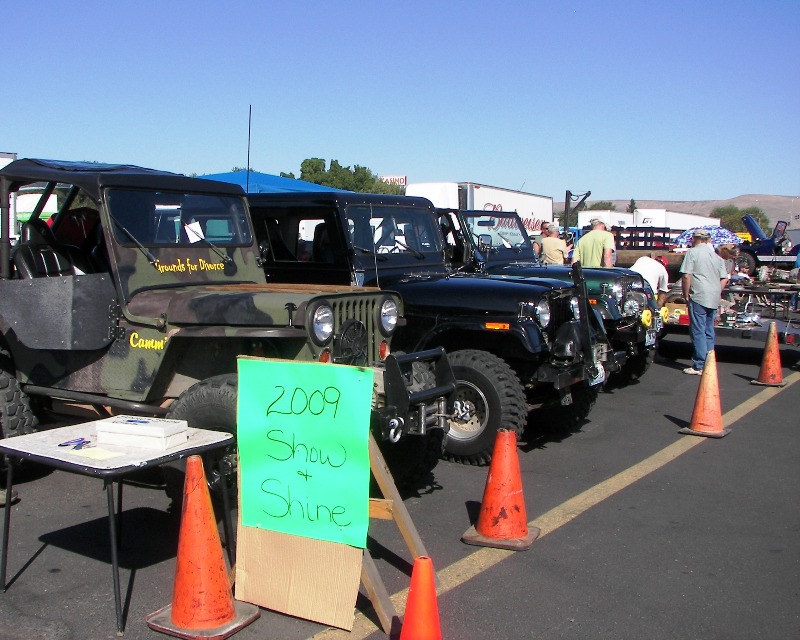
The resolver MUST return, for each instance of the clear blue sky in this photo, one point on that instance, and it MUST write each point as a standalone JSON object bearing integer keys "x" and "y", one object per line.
{"x": 675, "y": 100}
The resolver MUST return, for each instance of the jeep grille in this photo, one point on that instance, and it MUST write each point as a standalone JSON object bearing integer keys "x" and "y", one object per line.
{"x": 560, "y": 311}
{"x": 356, "y": 339}
{"x": 628, "y": 283}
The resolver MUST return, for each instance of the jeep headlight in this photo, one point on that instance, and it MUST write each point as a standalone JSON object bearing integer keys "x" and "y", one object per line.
{"x": 616, "y": 290}
{"x": 388, "y": 315}
{"x": 321, "y": 323}
{"x": 543, "y": 313}
{"x": 631, "y": 307}
{"x": 575, "y": 307}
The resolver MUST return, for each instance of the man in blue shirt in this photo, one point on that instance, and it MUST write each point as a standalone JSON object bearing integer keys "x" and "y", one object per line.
{"x": 703, "y": 276}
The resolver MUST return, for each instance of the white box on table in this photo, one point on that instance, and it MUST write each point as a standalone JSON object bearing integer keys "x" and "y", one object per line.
{"x": 144, "y": 433}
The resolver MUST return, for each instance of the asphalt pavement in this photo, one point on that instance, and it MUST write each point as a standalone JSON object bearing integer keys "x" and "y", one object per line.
{"x": 645, "y": 533}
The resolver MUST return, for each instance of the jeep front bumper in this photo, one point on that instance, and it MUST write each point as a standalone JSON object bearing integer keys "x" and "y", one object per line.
{"x": 411, "y": 407}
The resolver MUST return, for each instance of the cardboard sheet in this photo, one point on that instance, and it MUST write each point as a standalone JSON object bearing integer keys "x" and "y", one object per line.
{"x": 310, "y": 579}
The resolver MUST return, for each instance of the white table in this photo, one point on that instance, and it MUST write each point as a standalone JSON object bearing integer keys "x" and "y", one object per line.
{"x": 105, "y": 461}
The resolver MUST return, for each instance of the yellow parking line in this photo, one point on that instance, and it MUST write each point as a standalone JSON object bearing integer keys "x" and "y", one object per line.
{"x": 474, "y": 564}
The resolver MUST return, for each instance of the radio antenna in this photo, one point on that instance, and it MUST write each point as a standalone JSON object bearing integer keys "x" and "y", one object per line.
{"x": 249, "y": 123}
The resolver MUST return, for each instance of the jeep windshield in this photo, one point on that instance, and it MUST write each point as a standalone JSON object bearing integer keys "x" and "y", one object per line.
{"x": 389, "y": 231}
{"x": 168, "y": 219}
{"x": 498, "y": 236}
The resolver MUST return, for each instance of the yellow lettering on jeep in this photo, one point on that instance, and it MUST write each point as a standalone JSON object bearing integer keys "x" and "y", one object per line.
{"x": 138, "y": 342}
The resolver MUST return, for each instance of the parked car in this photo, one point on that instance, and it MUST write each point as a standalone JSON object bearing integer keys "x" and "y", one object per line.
{"x": 146, "y": 288}
{"x": 496, "y": 243}
{"x": 510, "y": 341}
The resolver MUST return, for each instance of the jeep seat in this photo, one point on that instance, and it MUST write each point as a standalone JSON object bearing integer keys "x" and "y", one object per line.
{"x": 37, "y": 255}
{"x": 322, "y": 250}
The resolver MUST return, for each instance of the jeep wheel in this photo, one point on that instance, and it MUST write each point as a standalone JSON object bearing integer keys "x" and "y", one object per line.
{"x": 635, "y": 367}
{"x": 208, "y": 404}
{"x": 566, "y": 417}
{"x": 747, "y": 263}
{"x": 413, "y": 458}
{"x": 489, "y": 397}
{"x": 16, "y": 416}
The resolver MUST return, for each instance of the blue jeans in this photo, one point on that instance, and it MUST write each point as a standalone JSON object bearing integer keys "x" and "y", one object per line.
{"x": 701, "y": 328}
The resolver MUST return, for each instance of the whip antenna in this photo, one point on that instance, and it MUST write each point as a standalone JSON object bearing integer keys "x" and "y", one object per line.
{"x": 249, "y": 123}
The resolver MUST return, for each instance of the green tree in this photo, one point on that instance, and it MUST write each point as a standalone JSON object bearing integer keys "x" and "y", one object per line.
{"x": 730, "y": 217}
{"x": 359, "y": 178}
{"x": 631, "y": 206}
{"x": 602, "y": 205}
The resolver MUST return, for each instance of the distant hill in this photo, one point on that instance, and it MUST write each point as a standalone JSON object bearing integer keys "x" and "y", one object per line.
{"x": 774, "y": 207}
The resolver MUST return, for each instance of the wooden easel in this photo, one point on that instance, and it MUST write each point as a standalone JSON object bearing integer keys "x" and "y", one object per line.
{"x": 390, "y": 507}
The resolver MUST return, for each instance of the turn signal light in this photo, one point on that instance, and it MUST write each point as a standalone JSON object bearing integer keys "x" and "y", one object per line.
{"x": 325, "y": 356}
{"x": 383, "y": 349}
{"x": 497, "y": 326}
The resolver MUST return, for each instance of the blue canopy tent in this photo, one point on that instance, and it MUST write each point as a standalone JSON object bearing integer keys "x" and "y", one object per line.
{"x": 255, "y": 182}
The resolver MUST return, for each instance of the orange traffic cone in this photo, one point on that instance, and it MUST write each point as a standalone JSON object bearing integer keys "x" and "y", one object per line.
{"x": 502, "y": 522}
{"x": 771, "y": 374}
{"x": 421, "y": 620}
{"x": 707, "y": 414}
{"x": 202, "y": 602}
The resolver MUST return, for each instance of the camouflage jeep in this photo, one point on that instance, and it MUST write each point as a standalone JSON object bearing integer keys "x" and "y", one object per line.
{"x": 138, "y": 295}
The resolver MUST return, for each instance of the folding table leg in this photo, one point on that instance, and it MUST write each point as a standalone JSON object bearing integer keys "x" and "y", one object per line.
{"x": 112, "y": 528}
{"x": 6, "y": 522}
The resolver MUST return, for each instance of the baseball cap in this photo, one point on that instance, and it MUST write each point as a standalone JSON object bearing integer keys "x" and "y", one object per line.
{"x": 663, "y": 260}
{"x": 700, "y": 233}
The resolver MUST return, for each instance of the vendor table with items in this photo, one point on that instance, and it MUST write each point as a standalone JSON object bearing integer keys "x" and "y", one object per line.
{"x": 75, "y": 449}
{"x": 761, "y": 298}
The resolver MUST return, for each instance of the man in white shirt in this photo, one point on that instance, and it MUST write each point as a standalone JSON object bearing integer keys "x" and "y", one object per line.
{"x": 654, "y": 271}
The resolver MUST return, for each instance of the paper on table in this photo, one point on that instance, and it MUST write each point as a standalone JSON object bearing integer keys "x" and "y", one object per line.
{"x": 96, "y": 453}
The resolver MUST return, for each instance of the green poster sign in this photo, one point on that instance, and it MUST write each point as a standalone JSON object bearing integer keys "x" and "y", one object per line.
{"x": 303, "y": 432}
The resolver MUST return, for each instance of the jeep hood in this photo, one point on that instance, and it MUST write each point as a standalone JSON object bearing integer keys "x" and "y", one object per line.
{"x": 478, "y": 295}
{"x": 235, "y": 305}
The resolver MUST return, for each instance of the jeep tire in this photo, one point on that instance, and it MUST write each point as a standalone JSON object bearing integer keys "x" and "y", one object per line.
{"x": 557, "y": 417}
{"x": 635, "y": 367}
{"x": 489, "y": 397}
{"x": 208, "y": 404}
{"x": 16, "y": 416}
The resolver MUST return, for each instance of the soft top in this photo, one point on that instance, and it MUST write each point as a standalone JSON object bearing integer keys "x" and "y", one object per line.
{"x": 340, "y": 198}
{"x": 93, "y": 176}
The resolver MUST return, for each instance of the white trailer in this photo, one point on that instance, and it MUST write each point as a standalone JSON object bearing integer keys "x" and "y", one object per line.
{"x": 534, "y": 210}
{"x": 611, "y": 218}
{"x": 671, "y": 219}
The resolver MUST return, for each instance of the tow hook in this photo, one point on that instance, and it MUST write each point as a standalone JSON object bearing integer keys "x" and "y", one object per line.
{"x": 395, "y": 429}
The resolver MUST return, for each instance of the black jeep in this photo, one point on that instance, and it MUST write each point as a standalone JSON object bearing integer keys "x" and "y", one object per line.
{"x": 138, "y": 295}
{"x": 510, "y": 341}
{"x": 497, "y": 243}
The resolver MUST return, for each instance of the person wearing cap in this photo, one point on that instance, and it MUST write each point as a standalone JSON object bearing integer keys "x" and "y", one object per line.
{"x": 729, "y": 253}
{"x": 596, "y": 248}
{"x": 554, "y": 249}
{"x": 703, "y": 276}
{"x": 654, "y": 271}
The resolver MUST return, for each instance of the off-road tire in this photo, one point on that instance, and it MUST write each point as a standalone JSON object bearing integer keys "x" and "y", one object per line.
{"x": 558, "y": 417}
{"x": 412, "y": 459}
{"x": 496, "y": 400}
{"x": 635, "y": 367}
{"x": 16, "y": 416}
{"x": 747, "y": 260}
{"x": 208, "y": 404}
